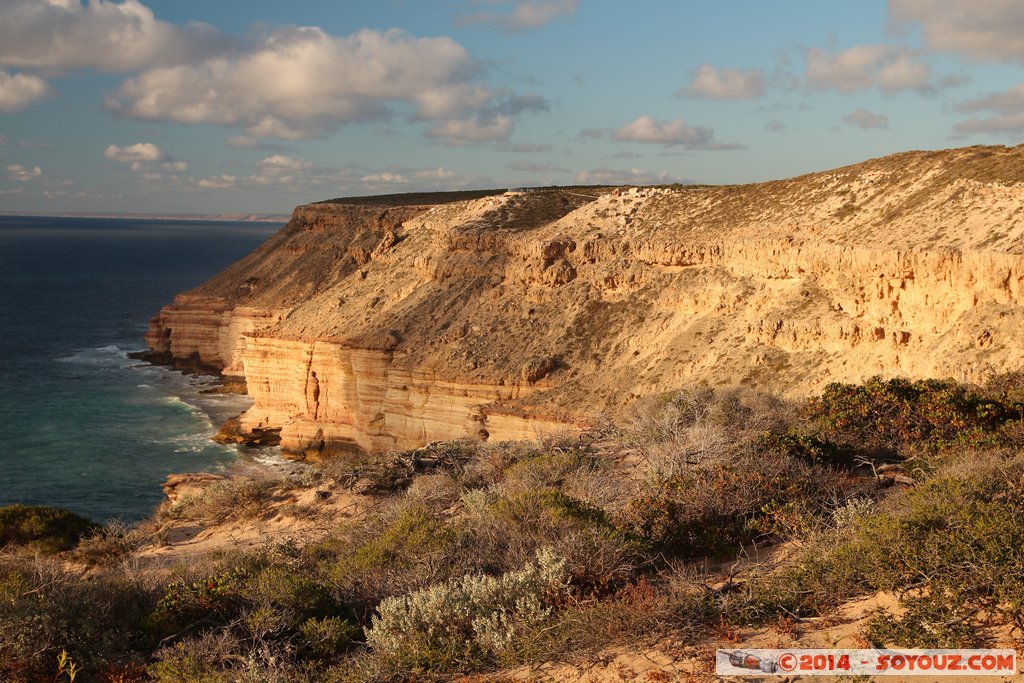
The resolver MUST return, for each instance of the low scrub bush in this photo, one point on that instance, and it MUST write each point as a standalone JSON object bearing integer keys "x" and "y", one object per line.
{"x": 209, "y": 658}
{"x": 928, "y": 622}
{"x": 230, "y": 500}
{"x": 514, "y": 528}
{"x": 675, "y": 432}
{"x": 394, "y": 471}
{"x": 889, "y": 417}
{"x": 413, "y": 549}
{"x": 954, "y": 539}
{"x": 807, "y": 447}
{"x": 541, "y": 471}
{"x": 260, "y": 601}
{"x": 326, "y": 637}
{"x": 469, "y": 621}
{"x": 112, "y": 542}
{"x": 677, "y": 603}
{"x": 45, "y": 609}
{"x": 711, "y": 511}
{"x": 42, "y": 528}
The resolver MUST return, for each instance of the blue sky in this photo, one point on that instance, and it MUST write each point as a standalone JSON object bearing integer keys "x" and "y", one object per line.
{"x": 256, "y": 106}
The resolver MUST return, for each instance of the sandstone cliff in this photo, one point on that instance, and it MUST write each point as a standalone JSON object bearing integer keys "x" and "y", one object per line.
{"x": 387, "y": 326}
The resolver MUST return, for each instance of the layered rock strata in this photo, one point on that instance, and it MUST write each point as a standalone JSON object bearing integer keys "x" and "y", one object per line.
{"x": 391, "y": 325}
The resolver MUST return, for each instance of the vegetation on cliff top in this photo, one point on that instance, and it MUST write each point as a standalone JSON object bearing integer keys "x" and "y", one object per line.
{"x": 42, "y": 528}
{"x": 477, "y": 557}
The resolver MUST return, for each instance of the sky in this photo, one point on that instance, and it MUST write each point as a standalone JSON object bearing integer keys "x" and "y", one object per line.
{"x": 255, "y": 106}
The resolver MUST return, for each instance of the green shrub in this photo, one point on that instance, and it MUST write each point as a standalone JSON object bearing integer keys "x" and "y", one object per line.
{"x": 47, "y": 529}
{"x": 929, "y": 622}
{"x": 493, "y": 461}
{"x": 539, "y": 509}
{"x": 415, "y": 549}
{"x": 45, "y": 609}
{"x": 205, "y": 659}
{"x": 714, "y": 509}
{"x": 181, "y": 662}
{"x": 215, "y": 599}
{"x": 541, "y": 471}
{"x": 813, "y": 449}
{"x": 514, "y": 528}
{"x": 955, "y": 537}
{"x": 637, "y": 611}
{"x": 261, "y": 599}
{"x": 468, "y": 621}
{"x": 888, "y": 416}
{"x": 327, "y": 637}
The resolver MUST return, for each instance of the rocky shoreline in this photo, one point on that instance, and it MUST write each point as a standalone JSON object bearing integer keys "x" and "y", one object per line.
{"x": 250, "y": 464}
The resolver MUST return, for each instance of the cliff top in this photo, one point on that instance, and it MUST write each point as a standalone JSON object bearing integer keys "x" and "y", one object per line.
{"x": 568, "y": 302}
{"x": 413, "y": 198}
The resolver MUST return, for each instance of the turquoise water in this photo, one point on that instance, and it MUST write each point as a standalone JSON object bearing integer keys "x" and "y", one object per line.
{"x": 82, "y": 426}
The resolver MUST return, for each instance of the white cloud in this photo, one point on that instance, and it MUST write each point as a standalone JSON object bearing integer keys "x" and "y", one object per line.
{"x": 286, "y": 171}
{"x": 1007, "y": 102}
{"x": 860, "y": 67}
{"x": 847, "y": 71}
{"x": 253, "y": 143}
{"x": 139, "y": 152}
{"x": 101, "y": 34}
{"x": 472, "y": 131}
{"x": 523, "y": 148}
{"x": 439, "y": 173}
{"x": 861, "y": 118}
{"x": 302, "y": 82}
{"x": 148, "y": 161}
{"x": 775, "y": 126}
{"x": 23, "y": 174}
{"x": 531, "y": 167}
{"x": 175, "y": 166}
{"x": 1006, "y": 111}
{"x": 243, "y": 142}
{"x": 525, "y": 15}
{"x": 632, "y": 176}
{"x": 980, "y": 29}
{"x": 726, "y": 84}
{"x": 493, "y": 123}
{"x": 903, "y": 73}
{"x": 282, "y": 163}
{"x": 293, "y": 174}
{"x": 995, "y": 125}
{"x": 668, "y": 133}
{"x": 18, "y": 91}
{"x": 217, "y": 182}
{"x": 384, "y": 179}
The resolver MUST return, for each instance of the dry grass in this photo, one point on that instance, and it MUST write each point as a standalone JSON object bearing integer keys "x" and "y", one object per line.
{"x": 231, "y": 500}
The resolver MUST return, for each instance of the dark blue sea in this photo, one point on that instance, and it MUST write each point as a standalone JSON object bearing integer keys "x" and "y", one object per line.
{"x": 82, "y": 426}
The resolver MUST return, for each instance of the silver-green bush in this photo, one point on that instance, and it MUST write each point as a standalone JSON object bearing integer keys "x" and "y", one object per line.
{"x": 472, "y": 618}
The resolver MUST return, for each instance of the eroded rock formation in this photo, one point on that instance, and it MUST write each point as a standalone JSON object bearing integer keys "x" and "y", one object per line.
{"x": 388, "y": 326}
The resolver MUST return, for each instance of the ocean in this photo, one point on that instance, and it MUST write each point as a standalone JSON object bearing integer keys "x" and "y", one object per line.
{"x": 82, "y": 426}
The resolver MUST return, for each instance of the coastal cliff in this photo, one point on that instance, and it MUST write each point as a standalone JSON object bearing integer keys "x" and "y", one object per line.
{"x": 389, "y": 324}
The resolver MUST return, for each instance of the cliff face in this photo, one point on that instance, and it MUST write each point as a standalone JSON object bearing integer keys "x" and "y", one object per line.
{"x": 504, "y": 317}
